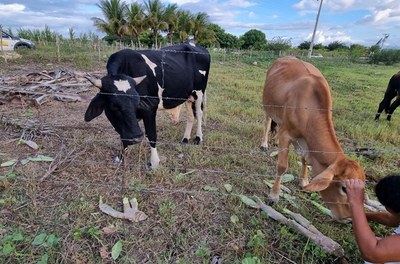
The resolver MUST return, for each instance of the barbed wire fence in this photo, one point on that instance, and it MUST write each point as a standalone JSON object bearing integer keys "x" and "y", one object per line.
{"x": 169, "y": 145}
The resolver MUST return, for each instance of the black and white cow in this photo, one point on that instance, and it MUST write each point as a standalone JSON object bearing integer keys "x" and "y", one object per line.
{"x": 392, "y": 91}
{"x": 138, "y": 82}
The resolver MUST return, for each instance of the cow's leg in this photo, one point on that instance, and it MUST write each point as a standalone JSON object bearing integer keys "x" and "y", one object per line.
{"x": 149, "y": 121}
{"x": 199, "y": 117}
{"x": 393, "y": 107}
{"x": 383, "y": 104}
{"x": 189, "y": 122}
{"x": 282, "y": 165}
{"x": 304, "y": 173}
{"x": 267, "y": 129}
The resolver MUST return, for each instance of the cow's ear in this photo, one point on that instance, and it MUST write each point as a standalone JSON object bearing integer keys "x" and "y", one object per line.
{"x": 321, "y": 181}
{"x": 95, "y": 108}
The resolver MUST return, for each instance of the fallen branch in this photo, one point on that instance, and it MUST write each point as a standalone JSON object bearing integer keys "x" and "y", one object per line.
{"x": 373, "y": 205}
{"x": 131, "y": 211}
{"x": 301, "y": 225}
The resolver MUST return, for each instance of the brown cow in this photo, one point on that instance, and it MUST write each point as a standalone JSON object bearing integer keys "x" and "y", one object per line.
{"x": 297, "y": 97}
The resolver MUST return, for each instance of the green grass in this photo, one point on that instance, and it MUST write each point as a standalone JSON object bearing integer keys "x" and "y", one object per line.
{"x": 191, "y": 215}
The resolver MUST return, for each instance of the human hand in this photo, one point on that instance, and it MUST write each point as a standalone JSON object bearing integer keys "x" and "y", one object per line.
{"x": 355, "y": 191}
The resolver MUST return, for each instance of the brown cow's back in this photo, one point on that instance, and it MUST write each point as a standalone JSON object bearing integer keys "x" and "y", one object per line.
{"x": 297, "y": 96}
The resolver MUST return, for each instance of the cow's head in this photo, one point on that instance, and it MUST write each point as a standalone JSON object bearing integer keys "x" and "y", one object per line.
{"x": 119, "y": 100}
{"x": 331, "y": 187}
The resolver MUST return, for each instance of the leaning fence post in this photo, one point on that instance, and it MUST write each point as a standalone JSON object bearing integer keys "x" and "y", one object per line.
{"x": 58, "y": 48}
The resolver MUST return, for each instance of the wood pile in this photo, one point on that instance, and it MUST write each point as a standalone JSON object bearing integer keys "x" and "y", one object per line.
{"x": 38, "y": 88}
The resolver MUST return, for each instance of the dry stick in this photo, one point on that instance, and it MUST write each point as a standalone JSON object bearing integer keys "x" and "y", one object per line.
{"x": 55, "y": 164}
{"x": 312, "y": 233}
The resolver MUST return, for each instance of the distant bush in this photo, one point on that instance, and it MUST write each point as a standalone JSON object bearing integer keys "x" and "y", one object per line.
{"x": 357, "y": 52}
{"x": 387, "y": 57}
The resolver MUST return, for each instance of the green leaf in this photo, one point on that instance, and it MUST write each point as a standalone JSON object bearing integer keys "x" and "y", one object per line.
{"x": 52, "y": 240}
{"x": 44, "y": 259}
{"x": 17, "y": 237}
{"x": 273, "y": 153}
{"x": 24, "y": 161}
{"x": 41, "y": 158}
{"x": 287, "y": 178}
{"x": 210, "y": 188}
{"x": 234, "y": 219}
{"x": 246, "y": 200}
{"x": 116, "y": 250}
{"x": 322, "y": 208}
{"x": 39, "y": 239}
{"x": 228, "y": 187}
{"x": 8, "y": 248}
{"x": 8, "y": 163}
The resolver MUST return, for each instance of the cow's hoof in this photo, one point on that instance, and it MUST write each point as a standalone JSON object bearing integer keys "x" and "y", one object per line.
{"x": 117, "y": 161}
{"x": 197, "y": 141}
{"x": 151, "y": 167}
{"x": 264, "y": 149}
{"x": 272, "y": 198}
{"x": 185, "y": 141}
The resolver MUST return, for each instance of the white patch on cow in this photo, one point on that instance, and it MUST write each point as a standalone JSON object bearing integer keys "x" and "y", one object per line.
{"x": 154, "y": 159}
{"x": 160, "y": 92}
{"x": 202, "y": 72}
{"x": 192, "y": 44}
{"x": 190, "y": 116}
{"x": 122, "y": 85}
{"x": 151, "y": 64}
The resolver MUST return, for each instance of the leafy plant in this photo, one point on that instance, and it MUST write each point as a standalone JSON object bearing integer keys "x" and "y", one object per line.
{"x": 87, "y": 232}
{"x": 10, "y": 242}
{"x": 46, "y": 240}
{"x": 257, "y": 243}
{"x": 203, "y": 252}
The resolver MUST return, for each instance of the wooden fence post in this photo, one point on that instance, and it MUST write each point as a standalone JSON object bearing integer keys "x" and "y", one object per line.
{"x": 58, "y": 49}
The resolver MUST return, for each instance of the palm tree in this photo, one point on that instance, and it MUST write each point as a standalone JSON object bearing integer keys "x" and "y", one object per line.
{"x": 172, "y": 21}
{"x": 113, "y": 11}
{"x": 154, "y": 18}
{"x": 199, "y": 23}
{"x": 135, "y": 21}
{"x": 184, "y": 24}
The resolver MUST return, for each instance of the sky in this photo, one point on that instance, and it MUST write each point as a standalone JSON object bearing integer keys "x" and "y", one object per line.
{"x": 349, "y": 21}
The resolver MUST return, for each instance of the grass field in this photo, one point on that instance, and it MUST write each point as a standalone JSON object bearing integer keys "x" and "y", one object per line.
{"x": 49, "y": 210}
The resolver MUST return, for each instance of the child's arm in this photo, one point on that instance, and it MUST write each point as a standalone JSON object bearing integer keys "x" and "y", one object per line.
{"x": 371, "y": 249}
{"x": 384, "y": 218}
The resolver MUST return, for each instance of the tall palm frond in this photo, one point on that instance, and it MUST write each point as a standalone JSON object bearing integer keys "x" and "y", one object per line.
{"x": 135, "y": 21}
{"x": 154, "y": 11}
{"x": 171, "y": 18}
{"x": 114, "y": 13}
{"x": 184, "y": 24}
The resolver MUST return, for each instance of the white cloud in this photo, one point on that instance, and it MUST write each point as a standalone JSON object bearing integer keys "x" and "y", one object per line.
{"x": 326, "y": 38}
{"x": 182, "y": 2}
{"x": 239, "y": 3}
{"x": 11, "y": 8}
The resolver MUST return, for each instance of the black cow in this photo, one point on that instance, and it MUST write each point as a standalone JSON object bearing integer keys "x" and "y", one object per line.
{"x": 140, "y": 82}
{"x": 392, "y": 91}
